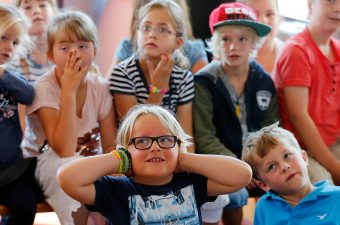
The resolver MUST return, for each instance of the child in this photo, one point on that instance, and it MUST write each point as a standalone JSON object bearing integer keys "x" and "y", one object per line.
{"x": 156, "y": 147}
{"x": 34, "y": 63}
{"x": 307, "y": 80}
{"x": 150, "y": 76}
{"x": 192, "y": 49}
{"x": 72, "y": 115}
{"x": 267, "y": 12}
{"x": 16, "y": 173}
{"x": 40, "y": 12}
{"x": 233, "y": 96}
{"x": 280, "y": 168}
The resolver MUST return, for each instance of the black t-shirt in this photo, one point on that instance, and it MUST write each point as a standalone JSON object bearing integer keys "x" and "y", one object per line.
{"x": 124, "y": 202}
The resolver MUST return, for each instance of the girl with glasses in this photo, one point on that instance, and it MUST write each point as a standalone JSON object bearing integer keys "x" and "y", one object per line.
{"x": 156, "y": 149}
{"x": 152, "y": 75}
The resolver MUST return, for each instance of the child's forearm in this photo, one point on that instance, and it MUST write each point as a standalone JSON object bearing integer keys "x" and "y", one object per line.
{"x": 86, "y": 170}
{"x": 224, "y": 170}
{"x": 77, "y": 177}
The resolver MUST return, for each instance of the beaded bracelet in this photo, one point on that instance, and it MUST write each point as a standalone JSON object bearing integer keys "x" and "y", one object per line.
{"x": 155, "y": 90}
{"x": 124, "y": 158}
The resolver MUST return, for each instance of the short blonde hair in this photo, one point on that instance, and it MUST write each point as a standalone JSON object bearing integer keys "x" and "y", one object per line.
{"x": 261, "y": 142}
{"x": 215, "y": 42}
{"x": 53, "y": 3}
{"x": 10, "y": 16}
{"x": 165, "y": 117}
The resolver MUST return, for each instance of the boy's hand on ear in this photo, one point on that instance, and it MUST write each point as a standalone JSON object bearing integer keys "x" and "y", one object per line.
{"x": 74, "y": 72}
{"x": 179, "y": 168}
{"x": 160, "y": 75}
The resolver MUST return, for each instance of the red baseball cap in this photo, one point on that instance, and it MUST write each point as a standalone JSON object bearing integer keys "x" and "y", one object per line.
{"x": 237, "y": 14}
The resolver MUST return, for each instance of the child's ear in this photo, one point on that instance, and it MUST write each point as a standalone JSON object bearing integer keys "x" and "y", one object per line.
{"x": 179, "y": 42}
{"x": 304, "y": 156}
{"x": 262, "y": 185}
{"x": 51, "y": 58}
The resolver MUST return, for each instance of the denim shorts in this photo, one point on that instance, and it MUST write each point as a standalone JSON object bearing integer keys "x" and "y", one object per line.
{"x": 238, "y": 199}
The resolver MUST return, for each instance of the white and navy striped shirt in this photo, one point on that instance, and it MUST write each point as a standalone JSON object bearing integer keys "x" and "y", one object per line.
{"x": 34, "y": 70}
{"x": 128, "y": 78}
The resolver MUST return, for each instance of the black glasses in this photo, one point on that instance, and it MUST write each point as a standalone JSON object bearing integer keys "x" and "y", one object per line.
{"x": 143, "y": 143}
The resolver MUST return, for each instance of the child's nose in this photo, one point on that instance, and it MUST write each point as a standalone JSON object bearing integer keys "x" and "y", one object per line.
{"x": 10, "y": 46}
{"x": 154, "y": 146}
{"x": 152, "y": 32}
{"x": 232, "y": 46}
{"x": 285, "y": 167}
{"x": 36, "y": 10}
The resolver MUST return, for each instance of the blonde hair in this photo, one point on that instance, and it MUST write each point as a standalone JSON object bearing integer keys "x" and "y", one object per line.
{"x": 261, "y": 142}
{"x": 177, "y": 14}
{"x": 165, "y": 117}
{"x": 214, "y": 45}
{"x": 10, "y": 16}
{"x": 137, "y": 4}
{"x": 53, "y": 3}
{"x": 73, "y": 22}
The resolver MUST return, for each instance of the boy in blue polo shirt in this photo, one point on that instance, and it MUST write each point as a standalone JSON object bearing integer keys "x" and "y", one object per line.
{"x": 280, "y": 168}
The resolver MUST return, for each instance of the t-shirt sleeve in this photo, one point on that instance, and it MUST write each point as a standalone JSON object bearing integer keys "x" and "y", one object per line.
{"x": 187, "y": 89}
{"x": 294, "y": 67}
{"x": 120, "y": 81}
{"x": 124, "y": 50}
{"x": 110, "y": 196}
{"x": 45, "y": 96}
{"x": 200, "y": 187}
{"x": 105, "y": 99}
{"x": 195, "y": 51}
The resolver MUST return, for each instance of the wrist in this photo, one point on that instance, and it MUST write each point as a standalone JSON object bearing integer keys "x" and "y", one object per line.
{"x": 155, "y": 90}
{"x": 124, "y": 158}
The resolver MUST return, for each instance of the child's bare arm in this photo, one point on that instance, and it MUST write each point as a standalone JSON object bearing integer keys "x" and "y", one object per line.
{"x": 297, "y": 107}
{"x": 77, "y": 177}
{"x": 225, "y": 174}
{"x": 108, "y": 132}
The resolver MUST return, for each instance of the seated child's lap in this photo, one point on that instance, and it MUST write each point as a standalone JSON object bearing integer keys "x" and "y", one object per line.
{"x": 316, "y": 171}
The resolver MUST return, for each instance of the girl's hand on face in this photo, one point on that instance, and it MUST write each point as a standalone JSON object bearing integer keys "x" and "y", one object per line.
{"x": 161, "y": 74}
{"x": 74, "y": 72}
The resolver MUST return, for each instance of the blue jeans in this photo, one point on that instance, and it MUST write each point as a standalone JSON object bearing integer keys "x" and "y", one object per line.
{"x": 238, "y": 199}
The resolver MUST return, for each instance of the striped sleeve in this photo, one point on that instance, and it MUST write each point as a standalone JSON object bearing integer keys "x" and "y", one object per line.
{"x": 122, "y": 79}
{"x": 187, "y": 89}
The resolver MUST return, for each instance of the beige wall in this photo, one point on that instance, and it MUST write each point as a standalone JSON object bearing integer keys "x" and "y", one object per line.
{"x": 112, "y": 27}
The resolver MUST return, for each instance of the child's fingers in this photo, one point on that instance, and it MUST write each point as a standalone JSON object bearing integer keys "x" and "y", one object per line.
{"x": 77, "y": 64}
{"x": 83, "y": 70}
{"x": 68, "y": 58}
{"x": 150, "y": 67}
{"x": 73, "y": 59}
